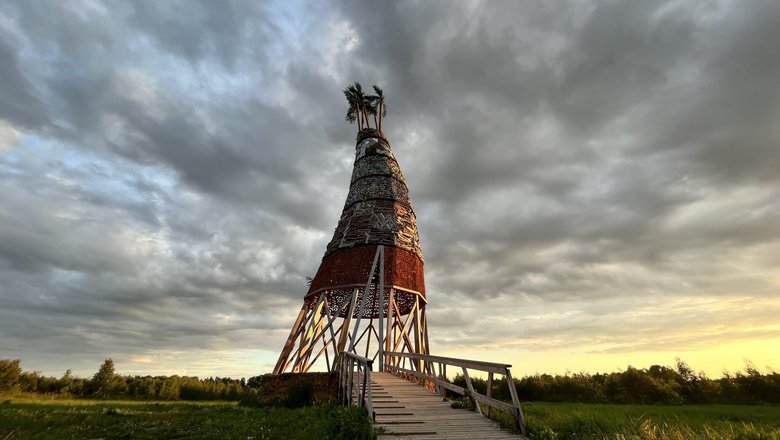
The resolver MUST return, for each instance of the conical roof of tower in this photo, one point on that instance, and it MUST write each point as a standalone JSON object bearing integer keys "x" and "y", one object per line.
{"x": 377, "y": 211}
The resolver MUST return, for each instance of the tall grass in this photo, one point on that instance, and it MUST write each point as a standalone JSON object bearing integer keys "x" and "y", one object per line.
{"x": 580, "y": 421}
{"x": 115, "y": 419}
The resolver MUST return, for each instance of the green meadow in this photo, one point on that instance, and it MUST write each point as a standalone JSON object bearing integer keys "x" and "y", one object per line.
{"x": 62, "y": 419}
{"x": 56, "y": 418}
{"x": 575, "y": 421}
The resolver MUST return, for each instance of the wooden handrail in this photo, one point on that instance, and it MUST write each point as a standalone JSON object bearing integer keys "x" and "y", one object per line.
{"x": 354, "y": 373}
{"x": 422, "y": 367}
{"x": 475, "y": 365}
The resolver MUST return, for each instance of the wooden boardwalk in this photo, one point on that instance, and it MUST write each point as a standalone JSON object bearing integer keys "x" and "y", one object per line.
{"x": 409, "y": 411}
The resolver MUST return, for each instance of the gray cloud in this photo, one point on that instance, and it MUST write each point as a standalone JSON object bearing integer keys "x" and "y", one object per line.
{"x": 171, "y": 174}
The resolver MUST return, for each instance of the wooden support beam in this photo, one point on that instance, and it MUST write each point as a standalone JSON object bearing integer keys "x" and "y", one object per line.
{"x": 278, "y": 369}
{"x": 472, "y": 392}
{"x": 305, "y": 365}
{"x": 382, "y": 312}
{"x": 331, "y": 320}
{"x": 391, "y": 328}
{"x": 417, "y": 330}
{"x": 301, "y": 330}
{"x": 313, "y": 320}
{"x": 368, "y": 339}
{"x": 348, "y": 320}
{"x": 324, "y": 349}
{"x": 363, "y": 298}
{"x": 321, "y": 333}
{"x": 403, "y": 335}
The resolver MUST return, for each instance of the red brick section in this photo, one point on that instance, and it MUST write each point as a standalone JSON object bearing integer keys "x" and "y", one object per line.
{"x": 351, "y": 266}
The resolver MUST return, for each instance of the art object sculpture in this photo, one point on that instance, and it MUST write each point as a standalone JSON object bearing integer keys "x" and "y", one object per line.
{"x": 368, "y": 296}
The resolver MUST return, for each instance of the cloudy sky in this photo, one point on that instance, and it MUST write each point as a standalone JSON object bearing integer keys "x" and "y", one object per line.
{"x": 597, "y": 184}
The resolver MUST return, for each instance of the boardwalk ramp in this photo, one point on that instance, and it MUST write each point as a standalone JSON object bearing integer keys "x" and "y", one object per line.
{"x": 405, "y": 410}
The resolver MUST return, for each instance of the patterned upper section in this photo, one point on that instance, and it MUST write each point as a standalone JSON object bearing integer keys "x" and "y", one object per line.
{"x": 377, "y": 209}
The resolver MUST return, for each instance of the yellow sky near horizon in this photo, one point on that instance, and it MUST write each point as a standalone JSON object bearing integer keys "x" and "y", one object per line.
{"x": 713, "y": 361}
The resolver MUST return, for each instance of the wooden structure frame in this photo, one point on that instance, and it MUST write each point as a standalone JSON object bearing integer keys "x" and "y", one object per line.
{"x": 369, "y": 322}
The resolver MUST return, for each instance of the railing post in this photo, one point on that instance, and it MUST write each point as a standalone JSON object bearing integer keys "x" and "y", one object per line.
{"x": 439, "y": 389}
{"x": 344, "y": 380}
{"x": 354, "y": 374}
{"x": 489, "y": 390}
{"x": 367, "y": 385}
{"x": 363, "y": 394}
{"x": 349, "y": 381}
{"x": 471, "y": 390}
{"x": 519, "y": 419}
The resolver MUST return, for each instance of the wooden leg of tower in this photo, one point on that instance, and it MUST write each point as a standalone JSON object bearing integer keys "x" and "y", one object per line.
{"x": 325, "y": 347}
{"x": 390, "y": 324}
{"x": 293, "y": 355}
{"x": 417, "y": 329}
{"x": 403, "y": 335}
{"x": 426, "y": 347}
{"x": 380, "y": 343}
{"x": 380, "y": 312}
{"x": 302, "y": 342}
{"x": 399, "y": 332}
{"x": 398, "y": 329}
{"x": 290, "y": 343}
{"x": 305, "y": 365}
{"x": 373, "y": 310}
{"x": 319, "y": 333}
{"x": 306, "y": 338}
{"x": 320, "y": 336}
{"x": 332, "y": 340}
{"x": 347, "y": 321}
{"x": 362, "y": 334}
{"x": 368, "y": 339}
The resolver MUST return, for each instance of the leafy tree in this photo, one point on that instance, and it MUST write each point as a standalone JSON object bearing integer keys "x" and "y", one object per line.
{"x": 380, "y": 108}
{"x": 170, "y": 388}
{"x": 103, "y": 381}
{"x": 355, "y": 99}
{"x": 28, "y": 381}
{"x": 65, "y": 383}
{"x": 9, "y": 375}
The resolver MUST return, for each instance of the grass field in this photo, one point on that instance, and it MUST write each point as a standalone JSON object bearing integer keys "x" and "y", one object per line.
{"x": 98, "y": 419}
{"x": 41, "y": 418}
{"x": 549, "y": 421}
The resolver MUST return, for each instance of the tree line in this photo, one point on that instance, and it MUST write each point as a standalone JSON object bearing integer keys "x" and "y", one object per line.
{"x": 655, "y": 385}
{"x": 106, "y": 383}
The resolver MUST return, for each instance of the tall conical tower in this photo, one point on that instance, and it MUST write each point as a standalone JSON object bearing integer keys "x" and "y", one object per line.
{"x": 368, "y": 295}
